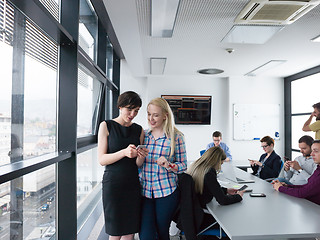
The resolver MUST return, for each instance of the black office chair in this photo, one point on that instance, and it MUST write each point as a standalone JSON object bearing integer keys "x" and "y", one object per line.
{"x": 190, "y": 214}
{"x": 271, "y": 179}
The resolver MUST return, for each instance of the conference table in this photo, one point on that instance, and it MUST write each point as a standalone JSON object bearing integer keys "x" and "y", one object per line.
{"x": 276, "y": 216}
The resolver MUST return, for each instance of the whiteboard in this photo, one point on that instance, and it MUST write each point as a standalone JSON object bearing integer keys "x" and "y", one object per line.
{"x": 254, "y": 121}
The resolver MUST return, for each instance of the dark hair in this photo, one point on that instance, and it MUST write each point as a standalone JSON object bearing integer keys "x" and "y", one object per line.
{"x": 316, "y": 141}
{"x": 306, "y": 139}
{"x": 316, "y": 105}
{"x": 267, "y": 139}
{"x": 216, "y": 134}
{"x": 129, "y": 99}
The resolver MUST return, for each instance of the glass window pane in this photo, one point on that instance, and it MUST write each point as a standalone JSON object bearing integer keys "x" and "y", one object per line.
{"x": 296, "y": 130}
{"x": 28, "y": 88}
{"x": 89, "y": 176}
{"x": 305, "y": 93}
{"x": 88, "y": 29}
{"x": 109, "y": 64}
{"x": 27, "y": 206}
{"x": 40, "y": 109}
{"x": 5, "y": 103}
{"x": 89, "y": 95}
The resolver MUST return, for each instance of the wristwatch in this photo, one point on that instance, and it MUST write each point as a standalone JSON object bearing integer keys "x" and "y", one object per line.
{"x": 300, "y": 170}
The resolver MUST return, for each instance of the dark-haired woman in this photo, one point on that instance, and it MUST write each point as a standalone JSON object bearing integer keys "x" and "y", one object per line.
{"x": 121, "y": 195}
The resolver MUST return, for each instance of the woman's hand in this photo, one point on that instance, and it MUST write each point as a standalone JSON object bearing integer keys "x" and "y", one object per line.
{"x": 142, "y": 152}
{"x": 130, "y": 151}
{"x": 241, "y": 192}
{"x": 255, "y": 162}
{"x": 232, "y": 191}
{"x": 163, "y": 162}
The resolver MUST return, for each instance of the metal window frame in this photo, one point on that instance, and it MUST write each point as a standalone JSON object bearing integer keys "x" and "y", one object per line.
{"x": 66, "y": 35}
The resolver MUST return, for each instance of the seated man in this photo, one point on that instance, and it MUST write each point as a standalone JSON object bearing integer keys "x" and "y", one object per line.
{"x": 298, "y": 171}
{"x": 309, "y": 191}
{"x": 217, "y": 137}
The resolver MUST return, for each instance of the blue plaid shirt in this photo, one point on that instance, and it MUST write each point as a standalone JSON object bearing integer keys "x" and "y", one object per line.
{"x": 157, "y": 181}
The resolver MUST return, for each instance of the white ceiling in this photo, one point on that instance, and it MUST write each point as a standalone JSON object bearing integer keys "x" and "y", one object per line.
{"x": 196, "y": 42}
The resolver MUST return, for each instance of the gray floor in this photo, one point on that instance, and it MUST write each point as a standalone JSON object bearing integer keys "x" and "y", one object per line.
{"x": 98, "y": 232}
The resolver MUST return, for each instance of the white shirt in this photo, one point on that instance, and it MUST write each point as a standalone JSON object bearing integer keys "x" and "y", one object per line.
{"x": 308, "y": 167}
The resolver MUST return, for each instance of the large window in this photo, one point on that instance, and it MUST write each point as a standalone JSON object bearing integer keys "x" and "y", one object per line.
{"x": 302, "y": 95}
{"x": 27, "y": 206}
{"x": 27, "y": 100}
{"x": 53, "y": 95}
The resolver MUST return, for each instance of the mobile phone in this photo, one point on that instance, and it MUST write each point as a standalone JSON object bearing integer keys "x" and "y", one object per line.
{"x": 257, "y": 195}
{"x": 242, "y": 188}
{"x": 286, "y": 158}
{"x": 141, "y": 146}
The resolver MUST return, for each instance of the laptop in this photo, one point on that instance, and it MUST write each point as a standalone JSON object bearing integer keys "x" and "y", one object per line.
{"x": 228, "y": 173}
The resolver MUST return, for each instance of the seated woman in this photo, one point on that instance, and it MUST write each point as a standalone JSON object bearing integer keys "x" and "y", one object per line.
{"x": 309, "y": 191}
{"x": 269, "y": 165}
{"x": 204, "y": 174}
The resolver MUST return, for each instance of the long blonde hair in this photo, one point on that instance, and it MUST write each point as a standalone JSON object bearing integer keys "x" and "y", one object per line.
{"x": 168, "y": 126}
{"x": 212, "y": 158}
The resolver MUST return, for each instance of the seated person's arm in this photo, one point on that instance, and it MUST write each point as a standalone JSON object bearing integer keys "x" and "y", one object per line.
{"x": 212, "y": 185}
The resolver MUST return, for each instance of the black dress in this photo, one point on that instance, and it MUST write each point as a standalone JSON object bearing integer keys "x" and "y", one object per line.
{"x": 121, "y": 193}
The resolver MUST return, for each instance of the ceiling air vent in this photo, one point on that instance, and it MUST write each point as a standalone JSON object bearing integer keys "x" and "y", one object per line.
{"x": 274, "y": 12}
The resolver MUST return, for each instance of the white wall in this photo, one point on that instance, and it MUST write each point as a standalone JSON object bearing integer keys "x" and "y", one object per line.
{"x": 130, "y": 83}
{"x": 225, "y": 92}
{"x": 255, "y": 90}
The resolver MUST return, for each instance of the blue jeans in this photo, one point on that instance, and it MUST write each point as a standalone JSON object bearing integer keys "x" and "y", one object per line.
{"x": 157, "y": 214}
{"x": 284, "y": 180}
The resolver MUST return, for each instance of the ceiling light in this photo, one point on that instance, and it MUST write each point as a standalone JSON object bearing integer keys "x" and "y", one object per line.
{"x": 210, "y": 71}
{"x": 250, "y": 34}
{"x": 157, "y": 65}
{"x": 316, "y": 39}
{"x": 163, "y": 16}
{"x": 265, "y": 67}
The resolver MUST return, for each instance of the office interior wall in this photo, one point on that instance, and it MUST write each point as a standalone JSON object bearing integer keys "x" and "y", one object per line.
{"x": 255, "y": 90}
{"x": 225, "y": 92}
{"x": 138, "y": 84}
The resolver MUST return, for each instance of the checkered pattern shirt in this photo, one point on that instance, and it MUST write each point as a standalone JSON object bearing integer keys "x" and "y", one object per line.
{"x": 157, "y": 181}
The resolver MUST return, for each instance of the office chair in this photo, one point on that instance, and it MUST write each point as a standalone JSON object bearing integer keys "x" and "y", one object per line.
{"x": 190, "y": 214}
{"x": 202, "y": 152}
{"x": 271, "y": 179}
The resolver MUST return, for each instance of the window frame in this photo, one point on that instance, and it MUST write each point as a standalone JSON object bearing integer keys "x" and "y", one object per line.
{"x": 65, "y": 33}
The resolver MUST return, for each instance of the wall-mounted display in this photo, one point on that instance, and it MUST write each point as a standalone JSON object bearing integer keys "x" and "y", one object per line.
{"x": 188, "y": 109}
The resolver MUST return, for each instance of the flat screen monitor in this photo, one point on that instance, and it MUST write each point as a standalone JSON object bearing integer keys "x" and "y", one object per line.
{"x": 188, "y": 109}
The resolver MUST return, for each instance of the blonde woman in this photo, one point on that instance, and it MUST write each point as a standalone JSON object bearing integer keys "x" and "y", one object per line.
{"x": 204, "y": 173}
{"x": 158, "y": 175}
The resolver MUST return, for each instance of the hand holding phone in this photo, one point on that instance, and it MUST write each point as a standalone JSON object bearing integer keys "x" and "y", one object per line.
{"x": 286, "y": 159}
{"x": 242, "y": 188}
{"x": 141, "y": 146}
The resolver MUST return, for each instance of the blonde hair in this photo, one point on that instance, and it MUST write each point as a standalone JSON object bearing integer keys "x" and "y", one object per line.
{"x": 212, "y": 158}
{"x": 168, "y": 126}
